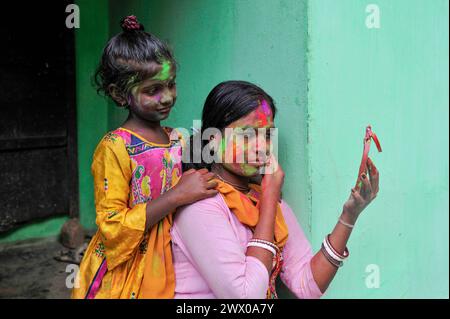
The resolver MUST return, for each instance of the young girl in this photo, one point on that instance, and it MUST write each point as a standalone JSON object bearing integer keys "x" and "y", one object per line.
{"x": 137, "y": 174}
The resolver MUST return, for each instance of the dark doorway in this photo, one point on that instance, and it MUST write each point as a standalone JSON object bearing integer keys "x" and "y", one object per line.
{"x": 38, "y": 157}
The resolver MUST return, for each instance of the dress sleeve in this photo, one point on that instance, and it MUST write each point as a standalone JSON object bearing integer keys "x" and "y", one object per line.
{"x": 204, "y": 230}
{"x": 297, "y": 254}
{"x": 121, "y": 227}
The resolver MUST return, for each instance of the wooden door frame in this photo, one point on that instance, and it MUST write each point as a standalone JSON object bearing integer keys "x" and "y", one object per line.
{"x": 72, "y": 147}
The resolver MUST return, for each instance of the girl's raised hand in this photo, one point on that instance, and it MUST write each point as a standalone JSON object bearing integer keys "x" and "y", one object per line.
{"x": 273, "y": 177}
{"x": 195, "y": 185}
{"x": 364, "y": 193}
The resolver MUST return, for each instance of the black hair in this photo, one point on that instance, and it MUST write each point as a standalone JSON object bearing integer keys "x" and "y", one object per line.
{"x": 129, "y": 57}
{"x": 226, "y": 103}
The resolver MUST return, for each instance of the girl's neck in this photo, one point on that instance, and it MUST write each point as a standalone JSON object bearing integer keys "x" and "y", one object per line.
{"x": 151, "y": 131}
{"x": 140, "y": 122}
{"x": 231, "y": 178}
{"x": 136, "y": 123}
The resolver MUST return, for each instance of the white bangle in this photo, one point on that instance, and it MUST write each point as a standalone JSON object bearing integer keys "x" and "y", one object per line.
{"x": 334, "y": 262}
{"x": 330, "y": 251}
{"x": 262, "y": 245}
{"x": 256, "y": 240}
{"x": 346, "y": 224}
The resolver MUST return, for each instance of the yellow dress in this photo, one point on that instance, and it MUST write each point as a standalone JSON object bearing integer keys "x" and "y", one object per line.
{"x": 123, "y": 261}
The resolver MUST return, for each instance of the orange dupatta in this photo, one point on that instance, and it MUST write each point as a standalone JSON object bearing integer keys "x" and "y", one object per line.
{"x": 246, "y": 209}
{"x": 159, "y": 274}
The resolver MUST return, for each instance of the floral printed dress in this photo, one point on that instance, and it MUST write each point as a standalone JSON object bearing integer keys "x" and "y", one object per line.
{"x": 122, "y": 260}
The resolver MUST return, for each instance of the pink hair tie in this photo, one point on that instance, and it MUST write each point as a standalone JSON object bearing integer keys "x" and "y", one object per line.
{"x": 130, "y": 23}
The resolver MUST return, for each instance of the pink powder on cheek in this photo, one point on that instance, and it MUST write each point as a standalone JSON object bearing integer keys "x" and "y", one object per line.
{"x": 157, "y": 97}
{"x": 148, "y": 101}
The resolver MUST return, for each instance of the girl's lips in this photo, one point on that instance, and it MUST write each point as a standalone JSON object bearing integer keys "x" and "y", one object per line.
{"x": 166, "y": 110}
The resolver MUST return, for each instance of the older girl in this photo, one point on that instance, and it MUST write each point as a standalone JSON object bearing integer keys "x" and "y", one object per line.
{"x": 235, "y": 244}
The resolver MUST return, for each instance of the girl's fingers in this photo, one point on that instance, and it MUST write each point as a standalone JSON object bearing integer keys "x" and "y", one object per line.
{"x": 271, "y": 165}
{"x": 209, "y": 176}
{"x": 358, "y": 185}
{"x": 203, "y": 171}
{"x": 190, "y": 171}
{"x": 366, "y": 189}
{"x": 212, "y": 184}
{"x": 371, "y": 165}
{"x": 357, "y": 197}
{"x": 374, "y": 176}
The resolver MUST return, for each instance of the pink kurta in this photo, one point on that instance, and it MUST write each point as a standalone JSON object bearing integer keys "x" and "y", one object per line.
{"x": 209, "y": 245}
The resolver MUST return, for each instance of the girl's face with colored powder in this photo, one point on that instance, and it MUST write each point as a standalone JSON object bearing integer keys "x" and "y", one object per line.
{"x": 245, "y": 154}
{"x": 153, "y": 98}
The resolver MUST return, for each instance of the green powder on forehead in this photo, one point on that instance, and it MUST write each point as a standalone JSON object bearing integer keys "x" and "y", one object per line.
{"x": 164, "y": 74}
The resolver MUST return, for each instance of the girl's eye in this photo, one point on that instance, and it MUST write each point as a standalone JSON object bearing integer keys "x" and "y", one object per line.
{"x": 172, "y": 84}
{"x": 152, "y": 91}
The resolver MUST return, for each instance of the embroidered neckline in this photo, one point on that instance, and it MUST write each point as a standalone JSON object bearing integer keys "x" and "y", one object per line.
{"x": 147, "y": 141}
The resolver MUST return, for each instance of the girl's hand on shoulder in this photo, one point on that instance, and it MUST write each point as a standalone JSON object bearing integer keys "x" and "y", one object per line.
{"x": 195, "y": 185}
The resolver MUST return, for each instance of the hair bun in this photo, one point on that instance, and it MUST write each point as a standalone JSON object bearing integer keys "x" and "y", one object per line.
{"x": 131, "y": 23}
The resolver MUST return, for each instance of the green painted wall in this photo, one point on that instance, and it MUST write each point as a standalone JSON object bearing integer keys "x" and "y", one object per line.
{"x": 395, "y": 78}
{"x": 92, "y": 110}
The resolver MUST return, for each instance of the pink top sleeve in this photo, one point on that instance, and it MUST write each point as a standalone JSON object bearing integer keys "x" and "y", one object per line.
{"x": 296, "y": 271}
{"x": 209, "y": 235}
